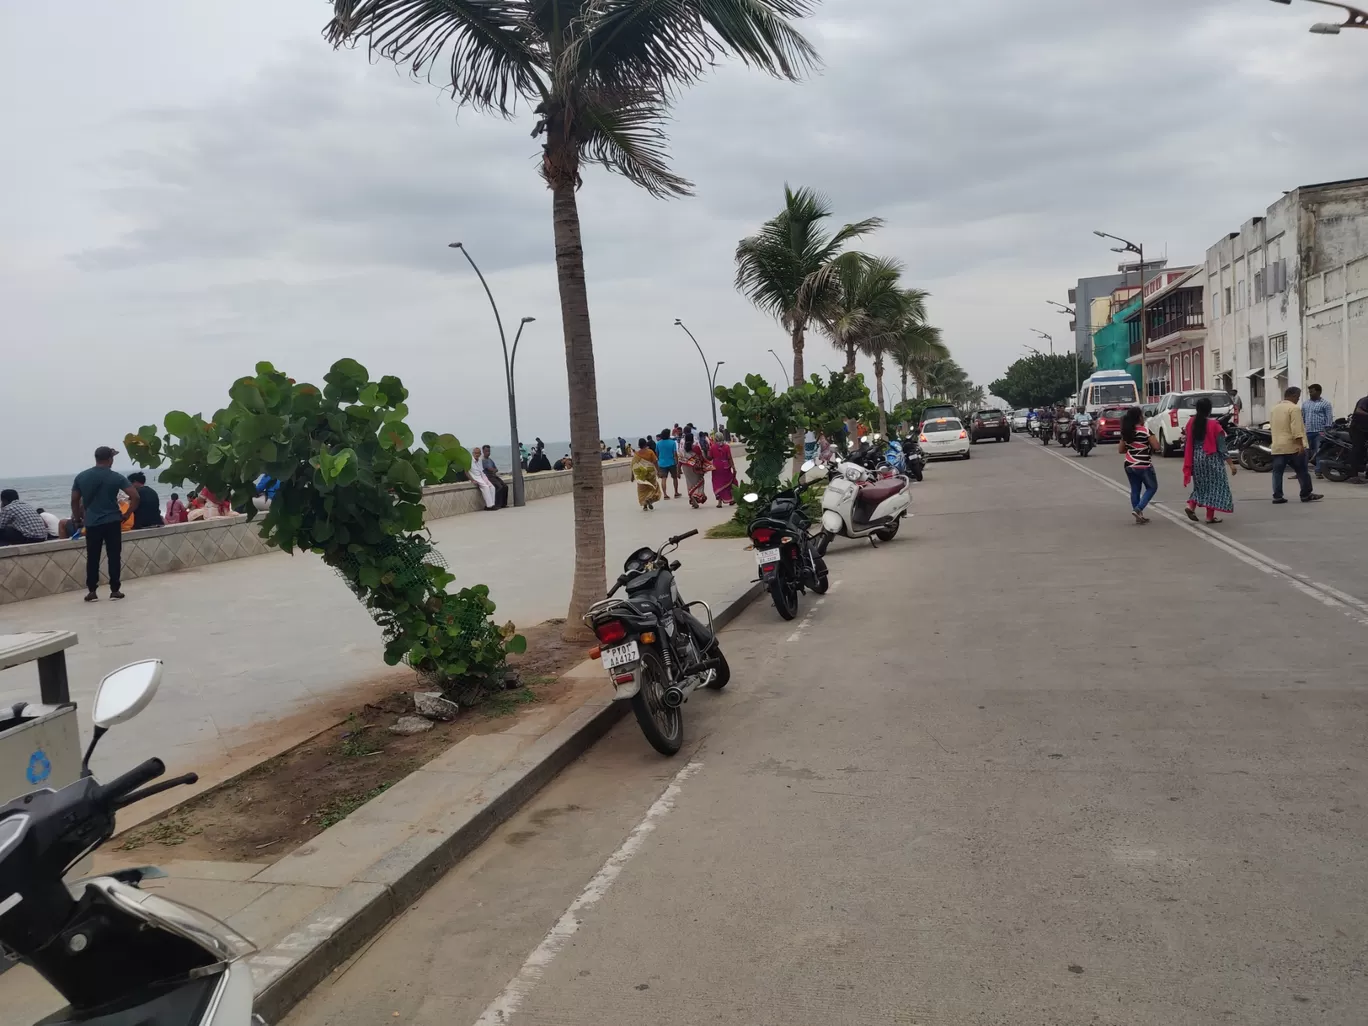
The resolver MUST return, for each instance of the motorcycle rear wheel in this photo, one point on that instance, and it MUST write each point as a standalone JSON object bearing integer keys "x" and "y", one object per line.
{"x": 663, "y": 726}
{"x": 722, "y": 675}
{"x": 1337, "y": 474}
{"x": 823, "y": 583}
{"x": 785, "y": 597}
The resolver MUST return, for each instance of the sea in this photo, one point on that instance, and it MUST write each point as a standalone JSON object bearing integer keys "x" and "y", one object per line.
{"x": 53, "y": 491}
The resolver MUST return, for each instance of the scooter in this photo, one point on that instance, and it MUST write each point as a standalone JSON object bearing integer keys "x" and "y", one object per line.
{"x": 1064, "y": 431}
{"x": 117, "y": 954}
{"x": 855, "y": 505}
{"x": 1084, "y": 438}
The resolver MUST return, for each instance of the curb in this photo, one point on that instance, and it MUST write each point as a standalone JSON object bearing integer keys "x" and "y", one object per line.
{"x": 285, "y": 973}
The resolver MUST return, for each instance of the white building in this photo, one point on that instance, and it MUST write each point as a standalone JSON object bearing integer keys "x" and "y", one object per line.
{"x": 1287, "y": 299}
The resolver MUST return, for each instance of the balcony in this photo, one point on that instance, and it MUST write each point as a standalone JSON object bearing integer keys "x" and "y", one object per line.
{"x": 1170, "y": 319}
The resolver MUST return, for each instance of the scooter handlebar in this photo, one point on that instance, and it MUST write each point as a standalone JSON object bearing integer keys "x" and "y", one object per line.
{"x": 123, "y": 785}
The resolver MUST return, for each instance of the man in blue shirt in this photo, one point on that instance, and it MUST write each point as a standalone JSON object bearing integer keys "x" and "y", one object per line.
{"x": 666, "y": 459}
{"x": 1318, "y": 415}
{"x": 95, "y": 505}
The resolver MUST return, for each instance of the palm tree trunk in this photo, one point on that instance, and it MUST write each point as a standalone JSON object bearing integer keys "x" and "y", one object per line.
{"x": 878, "y": 391}
{"x": 904, "y": 384}
{"x": 799, "y": 331}
{"x": 850, "y": 360}
{"x": 590, "y": 558}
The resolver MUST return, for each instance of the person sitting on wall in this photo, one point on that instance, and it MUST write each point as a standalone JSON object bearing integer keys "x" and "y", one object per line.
{"x": 20, "y": 522}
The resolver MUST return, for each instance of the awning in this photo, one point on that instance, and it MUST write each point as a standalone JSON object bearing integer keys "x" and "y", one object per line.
{"x": 1257, "y": 372}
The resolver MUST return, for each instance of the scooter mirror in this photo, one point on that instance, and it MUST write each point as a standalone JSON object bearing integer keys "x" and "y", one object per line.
{"x": 125, "y": 692}
{"x": 812, "y": 472}
{"x": 751, "y": 497}
{"x": 807, "y": 466}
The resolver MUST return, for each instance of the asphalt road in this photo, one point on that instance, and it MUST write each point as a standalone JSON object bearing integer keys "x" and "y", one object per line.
{"x": 1026, "y": 764}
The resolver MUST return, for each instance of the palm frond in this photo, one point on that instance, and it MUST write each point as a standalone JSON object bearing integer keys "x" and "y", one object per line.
{"x": 491, "y": 60}
{"x": 625, "y": 133}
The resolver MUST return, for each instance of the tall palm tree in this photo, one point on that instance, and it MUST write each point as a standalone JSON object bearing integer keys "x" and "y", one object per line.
{"x": 917, "y": 345}
{"x": 788, "y": 268}
{"x": 867, "y": 300}
{"x": 947, "y": 378}
{"x": 600, "y": 76}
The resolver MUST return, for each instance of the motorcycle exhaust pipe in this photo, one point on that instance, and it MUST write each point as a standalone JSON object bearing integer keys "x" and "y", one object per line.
{"x": 673, "y": 697}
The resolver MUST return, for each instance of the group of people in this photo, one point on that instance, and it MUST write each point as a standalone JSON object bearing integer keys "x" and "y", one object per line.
{"x": 677, "y": 452}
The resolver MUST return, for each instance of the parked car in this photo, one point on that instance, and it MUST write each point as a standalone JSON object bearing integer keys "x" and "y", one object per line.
{"x": 1149, "y": 409}
{"x": 1170, "y": 420}
{"x": 944, "y": 438}
{"x": 1109, "y": 423}
{"x": 1020, "y": 419}
{"x": 943, "y": 411}
{"x": 989, "y": 424}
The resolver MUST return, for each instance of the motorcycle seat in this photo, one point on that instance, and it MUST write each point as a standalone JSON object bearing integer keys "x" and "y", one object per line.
{"x": 873, "y": 494}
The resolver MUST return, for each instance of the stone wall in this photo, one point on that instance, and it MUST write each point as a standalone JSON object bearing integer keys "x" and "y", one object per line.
{"x": 52, "y": 567}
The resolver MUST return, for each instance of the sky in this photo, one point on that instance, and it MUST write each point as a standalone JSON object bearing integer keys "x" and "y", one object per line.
{"x": 191, "y": 188}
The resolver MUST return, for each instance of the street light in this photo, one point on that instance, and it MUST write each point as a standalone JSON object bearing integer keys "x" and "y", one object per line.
{"x": 787, "y": 382}
{"x": 1354, "y": 18}
{"x": 515, "y": 449}
{"x": 712, "y": 378}
{"x": 1139, "y": 250}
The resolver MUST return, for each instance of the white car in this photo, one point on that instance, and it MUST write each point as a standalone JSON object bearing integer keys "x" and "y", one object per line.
{"x": 944, "y": 438}
{"x": 1170, "y": 421}
{"x": 1020, "y": 420}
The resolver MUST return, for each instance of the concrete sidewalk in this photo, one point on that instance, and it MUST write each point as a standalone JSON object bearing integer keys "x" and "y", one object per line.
{"x": 262, "y": 653}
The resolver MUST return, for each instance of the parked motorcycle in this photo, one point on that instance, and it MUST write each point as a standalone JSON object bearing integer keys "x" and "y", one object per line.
{"x": 785, "y": 550}
{"x": 655, "y": 650}
{"x": 1335, "y": 456}
{"x": 914, "y": 458}
{"x": 1255, "y": 449}
{"x": 117, "y": 954}
{"x": 1084, "y": 438}
{"x": 854, "y": 505}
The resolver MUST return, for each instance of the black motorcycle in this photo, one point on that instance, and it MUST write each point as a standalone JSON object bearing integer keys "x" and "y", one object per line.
{"x": 914, "y": 458}
{"x": 1335, "y": 455}
{"x": 1046, "y": 429}
{"x": 655, "y": 650}
{"x": 1255, "y": 447}
{"x": 785, "y": 549}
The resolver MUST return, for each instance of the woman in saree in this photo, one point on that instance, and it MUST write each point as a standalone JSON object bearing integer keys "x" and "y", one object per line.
{"x": 695, "y": 471}
{"x": 644, "y": 472}
{"x": 480, "y": 479}
{"x": 724, "y": 471}
{"x": 1204, "y": 465}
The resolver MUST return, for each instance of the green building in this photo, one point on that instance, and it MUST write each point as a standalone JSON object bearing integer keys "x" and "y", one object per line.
{"x": 1111, "y": 344}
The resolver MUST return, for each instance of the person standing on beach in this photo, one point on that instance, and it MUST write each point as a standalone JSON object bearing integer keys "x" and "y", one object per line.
{"x": 95, "y": 504}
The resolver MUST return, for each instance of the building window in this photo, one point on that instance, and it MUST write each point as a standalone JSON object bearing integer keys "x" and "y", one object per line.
{"x": 1215, "y": 306}
{"x": 1216, "y": 361}
{"x": 1277, "y": 350}
{"x": 1227, "y": 299}
{"x": 1240, "y": 294}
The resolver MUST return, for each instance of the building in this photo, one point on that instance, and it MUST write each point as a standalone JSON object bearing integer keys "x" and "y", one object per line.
{"x": 1175, "y": 333}
{"x": 1286, "y": 299}
{"x": 1111, "y": 341}
{"x": 1100, "y": 287}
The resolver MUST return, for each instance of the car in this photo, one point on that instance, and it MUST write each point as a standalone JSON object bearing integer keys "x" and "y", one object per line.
{"x": 936, "y": 412}
{"x": 1149, "y": 409}
{"x": 989, "y": 424}
{"x": 944, "y": 438}
{"x": 1020, "y": 420}
{"x": 1109, "y": 423}
{"x": 1170, "y": 420}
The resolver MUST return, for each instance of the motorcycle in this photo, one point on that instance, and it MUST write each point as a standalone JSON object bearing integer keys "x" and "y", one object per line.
{"x": 1336, "y": 452}
{"x": 1085, "y": 438}
{"x": 914, "y": 458}
{"x": 854, "y": 505}
{"x": 1255, "y": 449}
{"x": 656, "y": 652}
{"x": 117, "y": 954}
{"x": 785, "y": 551}
{"x": 1045, "y": 429}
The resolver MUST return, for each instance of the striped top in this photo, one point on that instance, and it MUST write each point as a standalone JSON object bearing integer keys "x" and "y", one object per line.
{"x": 1138, "y": 452}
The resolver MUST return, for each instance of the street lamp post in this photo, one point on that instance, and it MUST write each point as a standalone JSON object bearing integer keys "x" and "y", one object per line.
{"x": 519, "y": 497}
{"x": 787, "y": 382}
{"x": 712, "y": 377}
{"x": 1354, "y": 18}
{"x": 1139, "y": 250}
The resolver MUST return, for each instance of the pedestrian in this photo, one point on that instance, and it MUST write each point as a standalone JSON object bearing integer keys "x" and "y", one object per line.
{"x": 1290, "y": 445}
{"x": 148, "y": 513}
{"x": 646, "y": 472}
{"x": 175, "y": 510}
{"x": 480, "y": 479}
{"x": 1317, "y": 415}
{"x": 1204, "y": 465}
{"x": 95, "y": 505}
{"x": 20, "y": 522}
{"x": 667, "y": 452}
{"x": 723, "y": 473}
{"x": 1138, "y": 447}
{"x": 1236, "y": 402}
{"x": 491, "y": 470}
{"x": 1358, "y": 435}
{"x": 695, "y": 471}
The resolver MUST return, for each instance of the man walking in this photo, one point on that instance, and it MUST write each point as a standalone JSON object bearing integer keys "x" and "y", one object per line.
{"x": 1318, "y": 415}
{"x": 95, "y": 503}
{"x": 1289, "y": 446}
{"x": 20, "y": 522}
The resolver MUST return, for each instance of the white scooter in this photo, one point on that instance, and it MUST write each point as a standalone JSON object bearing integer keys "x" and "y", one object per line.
{"x": 855, "y": 505}
{"x": 119, "y": 955}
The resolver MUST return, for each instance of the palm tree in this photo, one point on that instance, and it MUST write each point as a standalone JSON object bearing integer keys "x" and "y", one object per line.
{"x": 917, "y": 345}
{"x": 600, "y": 76}
{"x": 945, "y": 377}
{"x": 867, "y": 300}
{"x": 788, "y": 268}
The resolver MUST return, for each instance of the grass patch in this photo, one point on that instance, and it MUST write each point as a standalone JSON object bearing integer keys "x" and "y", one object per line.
{"x": 502, "y": 703}
{"x": 727, "y": 529}
{"x": 339, "y": 808}
{"x": 173, "y": 831}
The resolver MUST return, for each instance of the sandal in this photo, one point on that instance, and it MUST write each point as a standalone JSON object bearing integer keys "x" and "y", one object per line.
{"x": 1191, "y": 513}
{"x": 1214, "y": 520}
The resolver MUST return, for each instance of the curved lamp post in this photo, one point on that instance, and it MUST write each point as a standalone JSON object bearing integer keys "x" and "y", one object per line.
{"x": 515, "y": 450}
{"x": 787, "y": 382}
{"x": 712, "y": 376}
{"x": 1354, "y": 18}
{"x": 1138, "y": 248}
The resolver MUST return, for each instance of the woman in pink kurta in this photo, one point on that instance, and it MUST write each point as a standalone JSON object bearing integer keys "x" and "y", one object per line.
{"x": 724, "y": 471}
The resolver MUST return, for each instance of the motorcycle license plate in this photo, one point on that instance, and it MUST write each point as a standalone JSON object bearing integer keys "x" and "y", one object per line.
{"x": 763, "y": 556}
{"x": 621, "y": 655}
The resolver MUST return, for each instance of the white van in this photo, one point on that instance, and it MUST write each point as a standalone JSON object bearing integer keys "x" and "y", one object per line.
{"x": 1108, "y": 388}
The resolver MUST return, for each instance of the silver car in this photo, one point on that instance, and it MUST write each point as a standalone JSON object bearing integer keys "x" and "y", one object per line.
{"x": 1019, "y": 420}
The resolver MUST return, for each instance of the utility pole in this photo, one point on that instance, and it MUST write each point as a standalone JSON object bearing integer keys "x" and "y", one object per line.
{"x": 787, "y": 383}
{"x": 1139, "y": 250}
{"x": 712, "y": 377}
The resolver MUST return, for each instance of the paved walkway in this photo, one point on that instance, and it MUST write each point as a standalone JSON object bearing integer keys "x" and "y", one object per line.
{"x": 260, "y": 653}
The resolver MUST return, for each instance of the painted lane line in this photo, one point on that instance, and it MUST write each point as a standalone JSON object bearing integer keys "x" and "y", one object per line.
{"x": 805, "y": 624}
{"x": 502, "y": 1009}
{"x": 1354, "y": 608}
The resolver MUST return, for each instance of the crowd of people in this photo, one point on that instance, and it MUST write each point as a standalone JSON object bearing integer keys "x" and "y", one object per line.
{"x": 661, "y": 460}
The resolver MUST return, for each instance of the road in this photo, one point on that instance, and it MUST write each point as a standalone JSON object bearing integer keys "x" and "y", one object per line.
{"x": 1026, "y": 764}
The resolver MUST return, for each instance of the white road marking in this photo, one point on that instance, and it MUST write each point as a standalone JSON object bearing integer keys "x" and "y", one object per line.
{"x": 807, "y": 622}
{"x": 1355, "y": 609}
{"x": 502, "y": 1009}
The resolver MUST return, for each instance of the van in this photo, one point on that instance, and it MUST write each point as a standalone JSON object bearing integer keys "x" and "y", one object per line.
{"x": 1108, "y": 388}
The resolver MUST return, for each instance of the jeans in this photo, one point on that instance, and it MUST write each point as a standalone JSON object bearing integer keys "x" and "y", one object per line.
{"x": 1297, "y": 461}
{"x": 1141, "y": 476}
{"x": 110, "y": 537}
{"x": 1312, "y": 448}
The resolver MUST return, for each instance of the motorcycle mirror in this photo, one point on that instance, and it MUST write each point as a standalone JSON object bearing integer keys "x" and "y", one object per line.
{"x": 807, "y": 466}
{"x": 126, "y": 692}
{"x": 751, "y": 497}
{"x": 864, "y": 438}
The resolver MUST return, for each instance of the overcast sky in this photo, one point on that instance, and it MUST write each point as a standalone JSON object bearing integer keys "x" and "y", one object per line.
{"x": 190, "y": 188}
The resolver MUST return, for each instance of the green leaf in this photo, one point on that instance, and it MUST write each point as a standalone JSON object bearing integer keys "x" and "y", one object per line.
{"x": 247, "y": 394}
{"x": 437, "y": 466}
{"x": 516, "y": 644}
{"x": 371, "y": 396}
{"x": 179, "y": 424}
{"x": 369, "y": 577}
{"x": 402, "y": 475}
{"x": 396, "y": 436}
{"x": 216, "y": 454}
